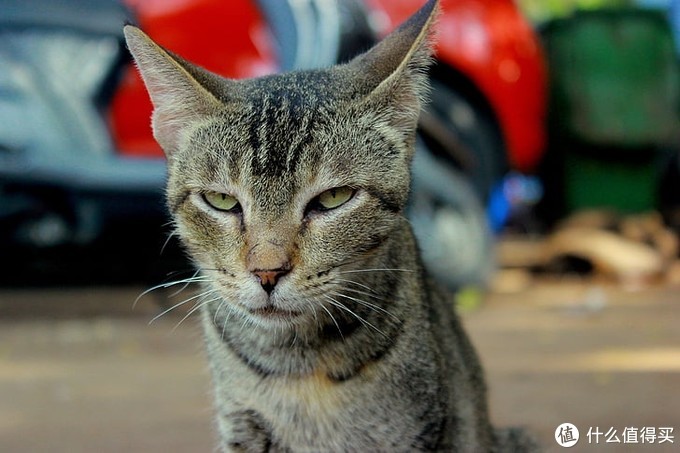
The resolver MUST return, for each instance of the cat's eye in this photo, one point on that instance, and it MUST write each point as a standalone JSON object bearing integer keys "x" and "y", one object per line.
{"x": 222, "y": 201}
{"x": 332, "y": 198}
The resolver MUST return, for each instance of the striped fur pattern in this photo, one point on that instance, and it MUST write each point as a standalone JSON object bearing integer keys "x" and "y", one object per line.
{"x": 323, "y": 332}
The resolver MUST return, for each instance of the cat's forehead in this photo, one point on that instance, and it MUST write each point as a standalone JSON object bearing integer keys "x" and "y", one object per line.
{"x": 278, "y": 118}
{"x": 278, "y": 126}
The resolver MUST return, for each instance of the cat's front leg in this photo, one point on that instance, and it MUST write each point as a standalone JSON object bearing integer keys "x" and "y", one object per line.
{"x": 245, "y": 431}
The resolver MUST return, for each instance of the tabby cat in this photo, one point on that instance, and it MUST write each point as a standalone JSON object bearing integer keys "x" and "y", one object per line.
{"x": 322, "y": 330}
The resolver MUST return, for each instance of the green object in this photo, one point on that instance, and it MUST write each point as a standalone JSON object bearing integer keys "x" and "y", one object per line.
{"x": 543, "y": 10}
{"x": 469, "y": 298}
{"x": 614, "y": 77}
{"x": 614, "y": 101}
{"x": 597, "y": 183}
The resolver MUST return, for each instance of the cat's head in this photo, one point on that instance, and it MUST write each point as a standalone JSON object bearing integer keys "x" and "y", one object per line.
{"x": 278, "y": 185}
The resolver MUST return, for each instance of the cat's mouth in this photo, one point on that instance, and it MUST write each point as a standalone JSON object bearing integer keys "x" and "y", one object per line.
{"x": 272, "y": 312}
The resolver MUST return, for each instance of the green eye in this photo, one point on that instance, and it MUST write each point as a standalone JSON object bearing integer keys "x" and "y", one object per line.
{"x": 334, "y": 198}
{"x": 221, "y": 201}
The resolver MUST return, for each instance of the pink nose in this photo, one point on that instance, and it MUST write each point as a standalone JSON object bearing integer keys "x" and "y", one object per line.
{"x": 269, "y": 278}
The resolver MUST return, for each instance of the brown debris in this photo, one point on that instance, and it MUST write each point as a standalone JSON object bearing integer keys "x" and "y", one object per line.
{"x": 633, "y": 250}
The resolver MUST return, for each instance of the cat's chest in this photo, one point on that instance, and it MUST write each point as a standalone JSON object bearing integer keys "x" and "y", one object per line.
{"x": 308, "y": 410}
{"x": 312, "y": 396}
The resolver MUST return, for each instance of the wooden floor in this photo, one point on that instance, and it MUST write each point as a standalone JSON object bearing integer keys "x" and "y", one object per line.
{"x": 81, "y": 372}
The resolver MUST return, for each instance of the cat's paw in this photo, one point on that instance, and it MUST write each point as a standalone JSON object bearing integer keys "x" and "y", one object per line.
{"x": 245, "y": 432}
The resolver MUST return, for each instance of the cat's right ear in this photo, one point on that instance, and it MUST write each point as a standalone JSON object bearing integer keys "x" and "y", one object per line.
{"x": 392, "y": 75}
{"x": 178, "y": 97}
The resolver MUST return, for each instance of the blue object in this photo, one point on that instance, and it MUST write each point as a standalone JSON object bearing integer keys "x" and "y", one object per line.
{"x": 514, "y": 193}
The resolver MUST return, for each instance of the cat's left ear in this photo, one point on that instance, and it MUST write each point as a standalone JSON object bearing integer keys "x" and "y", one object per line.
{"x": 180, "y": 92}
{"x": 394, "y": 72}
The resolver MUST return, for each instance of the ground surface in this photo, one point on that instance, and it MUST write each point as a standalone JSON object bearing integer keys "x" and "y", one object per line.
{"x": 81, "y": 372}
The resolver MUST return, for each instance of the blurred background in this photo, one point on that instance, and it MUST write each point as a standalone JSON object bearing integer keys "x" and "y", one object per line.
{"x": 546, "y": 192}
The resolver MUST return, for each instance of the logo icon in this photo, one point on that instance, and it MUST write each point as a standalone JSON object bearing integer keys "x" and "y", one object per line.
{"x": 566, "y": 435}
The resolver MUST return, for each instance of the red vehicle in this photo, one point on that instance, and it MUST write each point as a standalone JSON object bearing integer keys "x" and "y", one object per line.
{"x": 489, "y": 81}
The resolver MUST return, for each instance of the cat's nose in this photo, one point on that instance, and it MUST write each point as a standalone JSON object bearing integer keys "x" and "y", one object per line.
{"x": 268, "y": 278}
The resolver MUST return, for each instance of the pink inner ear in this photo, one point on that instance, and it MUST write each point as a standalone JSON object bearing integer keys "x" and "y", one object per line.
{"x": 167, "y": 127}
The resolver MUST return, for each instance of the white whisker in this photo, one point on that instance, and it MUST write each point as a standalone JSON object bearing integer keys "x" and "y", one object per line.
{"x": 194, "y": 309}
{"x": 333, "y": 318}
{"x": 194, "y": 277}
{"x": 342, "y": 306}
{"x": 219, "y": 307}
{"x": 355, "y": 283}
{"x": 163, "y": 313}
{"x": 316, "y": 318}
{"x": 167, "y": 241}
{"x": 364, "y": 293}
{"x": 370, "y": 305}
{"x": 185, "y": 281}
{"x": 246, "y": 320}
{"x": 226, "y": 320}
